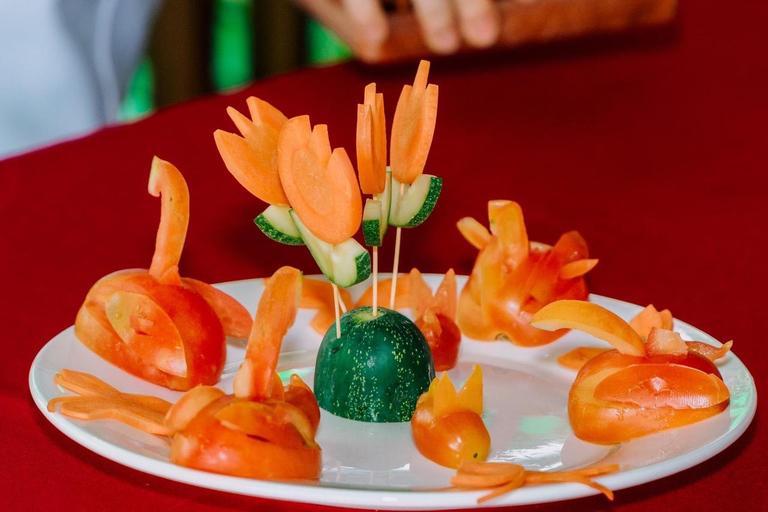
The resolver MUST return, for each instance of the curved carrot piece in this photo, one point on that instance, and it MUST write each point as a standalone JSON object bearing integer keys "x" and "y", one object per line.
{"x": 656, "y": 385}
{"x": 166, "y": 181}
{"x": 321, "y": 185}
{"x": 372, "y": 142}
{"x": 274, "y": 316}
{"x": 413, "y": 127}
{"x": 252, "y": 158}
{"x": 235, "y": 319}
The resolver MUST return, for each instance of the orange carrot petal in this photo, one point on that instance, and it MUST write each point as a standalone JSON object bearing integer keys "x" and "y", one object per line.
{"x": 166, "y": 181}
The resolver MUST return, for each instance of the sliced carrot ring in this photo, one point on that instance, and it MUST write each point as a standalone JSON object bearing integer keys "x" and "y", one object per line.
{"x": 592, "y": 319}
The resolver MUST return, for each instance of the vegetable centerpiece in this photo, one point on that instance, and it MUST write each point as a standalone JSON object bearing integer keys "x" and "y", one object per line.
{"x": 513, "y": 277}
{"x": 651, "y": 381}
{"x": 154, "y": 323}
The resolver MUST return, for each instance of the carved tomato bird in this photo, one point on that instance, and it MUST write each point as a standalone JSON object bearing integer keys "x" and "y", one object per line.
{"x": 643, "y": 385}
{"x": 153, "y": 323}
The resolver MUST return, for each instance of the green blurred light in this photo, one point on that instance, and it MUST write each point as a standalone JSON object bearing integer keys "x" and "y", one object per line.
{"x": 323, "y": 47}
{"x": 139, "y": 95}
{"x": 539, "y": 425}
{"x": 232, "y": 52}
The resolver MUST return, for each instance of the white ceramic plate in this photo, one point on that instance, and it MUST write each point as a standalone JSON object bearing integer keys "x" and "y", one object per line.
{"x": 376, "y": 466}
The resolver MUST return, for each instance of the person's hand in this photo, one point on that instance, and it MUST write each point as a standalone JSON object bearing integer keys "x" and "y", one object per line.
{"x": 444, "y": 24}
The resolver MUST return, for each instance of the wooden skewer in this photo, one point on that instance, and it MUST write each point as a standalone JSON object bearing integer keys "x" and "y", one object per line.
{"x": 375, "y": 281}
{"x": 336, "y": 301}
{"x": 396, "y": 264}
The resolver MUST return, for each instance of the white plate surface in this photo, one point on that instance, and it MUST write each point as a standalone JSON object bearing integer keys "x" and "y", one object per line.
{"x": 376, "y": 466}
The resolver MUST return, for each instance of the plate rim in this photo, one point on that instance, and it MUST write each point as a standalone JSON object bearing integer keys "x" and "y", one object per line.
{"x": 381, "y": 498}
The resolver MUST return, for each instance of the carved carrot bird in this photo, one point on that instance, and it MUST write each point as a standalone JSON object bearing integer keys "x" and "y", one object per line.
{"x": 447, "y": 426}
{"x": 155, "y": 324}
{"x": 642, "y": 386}
{"x": 514, "y": 277}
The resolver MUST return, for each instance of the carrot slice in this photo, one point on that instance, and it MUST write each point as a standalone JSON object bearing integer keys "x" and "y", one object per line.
{"x": 321, "y": 185}
{"x": 274, "y": 316}
{"x": 372, "y": 142}
{"x": 656, "y": 385}
{"x": 235, "y": 319}
{"x": 511, "y": 231}
{"x": 252, "y": 159}
{"x": 592, "y": 319}
{"x": 577, "y": 268}
{"x": 413, "y": 127}
{"x": 165, "y": 180}
{"x": 579, "y": 356}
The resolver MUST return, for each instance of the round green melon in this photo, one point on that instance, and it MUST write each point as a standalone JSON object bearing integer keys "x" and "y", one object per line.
{"x": 376, "y": 370}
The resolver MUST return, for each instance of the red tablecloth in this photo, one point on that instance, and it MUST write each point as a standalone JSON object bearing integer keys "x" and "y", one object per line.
{"x": 652, "y": 147}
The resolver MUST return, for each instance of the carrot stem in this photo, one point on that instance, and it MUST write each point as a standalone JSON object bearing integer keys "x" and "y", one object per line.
{"x": 336, "y": 309}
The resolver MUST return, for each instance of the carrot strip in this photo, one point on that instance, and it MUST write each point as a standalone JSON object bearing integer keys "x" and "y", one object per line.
{"x": 709, "y": 351}
{"x": 166, "y": 181}
{"x": 513, "y": 484}
{"x": 476, "y": 467}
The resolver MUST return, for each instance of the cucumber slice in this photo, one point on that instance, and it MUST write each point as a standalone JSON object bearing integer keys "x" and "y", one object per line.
{"x": 277, "y": 224}
{"x": 416, "y": 203}
{"x": 376, "y": 215}
{"x": 344, "y": 264}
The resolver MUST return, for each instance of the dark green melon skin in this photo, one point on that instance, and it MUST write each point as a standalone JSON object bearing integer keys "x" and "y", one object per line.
{"x": 376, "y": 371}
